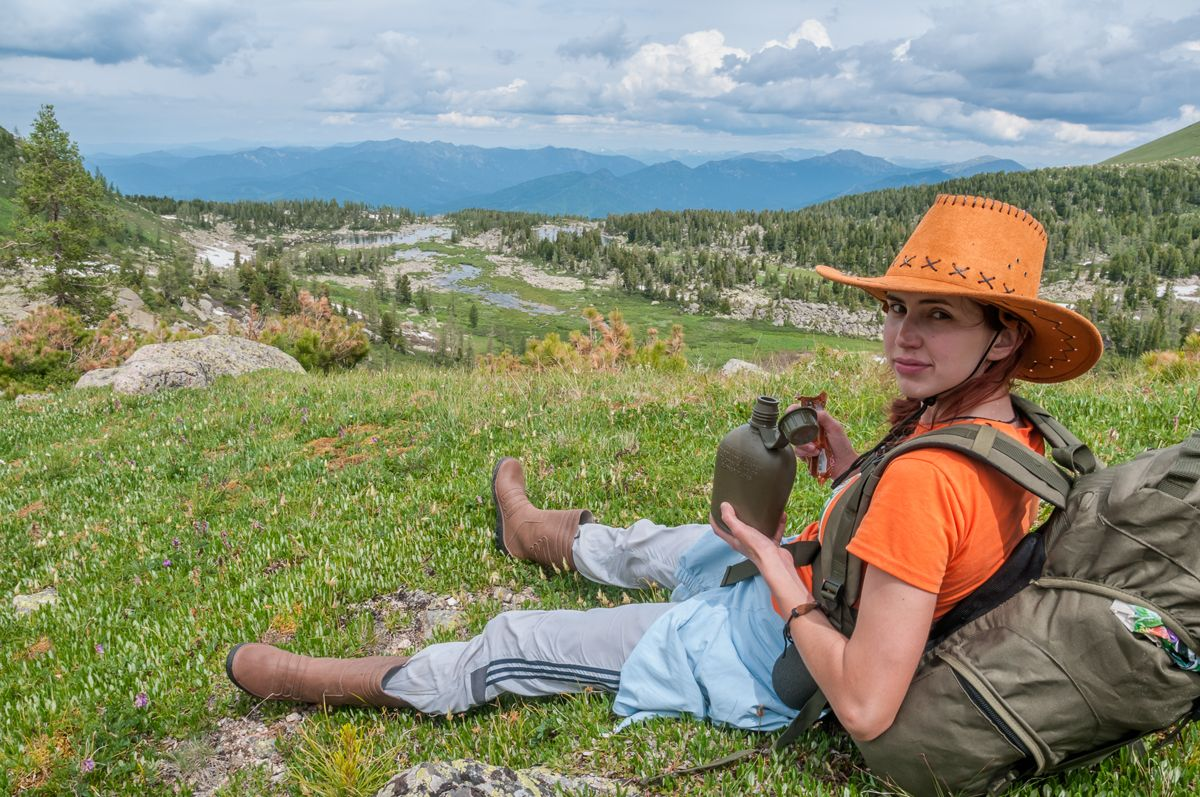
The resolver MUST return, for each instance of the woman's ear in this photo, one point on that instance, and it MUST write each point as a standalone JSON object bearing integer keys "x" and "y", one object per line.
{"x": 1007, "y": 341}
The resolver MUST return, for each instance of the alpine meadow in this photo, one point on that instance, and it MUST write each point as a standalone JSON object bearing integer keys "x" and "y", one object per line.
{"x": 258, "y": 392}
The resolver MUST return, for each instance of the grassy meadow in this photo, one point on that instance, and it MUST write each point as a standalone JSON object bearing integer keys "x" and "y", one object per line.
{"x": 275, "y": 506}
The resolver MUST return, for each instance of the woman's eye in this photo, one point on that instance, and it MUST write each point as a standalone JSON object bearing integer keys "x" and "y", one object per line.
{"x": 940, "y": 315}
{"x": 896, "y": 307}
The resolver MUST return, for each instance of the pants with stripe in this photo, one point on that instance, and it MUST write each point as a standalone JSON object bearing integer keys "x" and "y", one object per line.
{"x": 536, "y": 653}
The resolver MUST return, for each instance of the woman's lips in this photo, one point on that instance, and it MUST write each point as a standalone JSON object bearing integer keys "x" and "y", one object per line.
{"x": 908, "y": 367}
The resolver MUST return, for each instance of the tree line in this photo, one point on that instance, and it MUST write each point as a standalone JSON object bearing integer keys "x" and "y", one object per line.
{"x": 280, "y": 215}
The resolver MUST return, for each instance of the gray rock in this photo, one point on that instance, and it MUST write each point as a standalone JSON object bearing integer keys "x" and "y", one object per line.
{"x": 189, "y": 363}
{"x": 467, "y": 778}
{"x": 435, "y": 619}
{"x": 736, "y": 366}
{"x": 31, "y": 398}
{"x": 134, "y": 309}
{"x": 27, "y": 604}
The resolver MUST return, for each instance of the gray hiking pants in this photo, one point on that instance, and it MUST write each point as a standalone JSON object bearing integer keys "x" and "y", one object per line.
{"x": 535, "y": 653}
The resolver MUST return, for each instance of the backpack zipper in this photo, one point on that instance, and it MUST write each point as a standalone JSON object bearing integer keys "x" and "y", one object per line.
{"x": 981, "y": 703}
{"x": 973, "y": 686}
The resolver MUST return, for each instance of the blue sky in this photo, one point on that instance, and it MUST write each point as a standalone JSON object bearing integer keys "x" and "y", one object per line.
{"x": 1053, "y": 82}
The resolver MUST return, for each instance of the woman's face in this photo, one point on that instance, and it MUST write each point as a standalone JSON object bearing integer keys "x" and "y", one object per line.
{"x": 934, "y": 343}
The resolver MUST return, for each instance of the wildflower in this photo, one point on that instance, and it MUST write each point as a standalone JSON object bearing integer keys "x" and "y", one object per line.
{"x": 87, "y": 765}
{"x": 175, "y": 542}
{"x": 141, "y": 701}
{"x": 166, "y": 562}
{"x": 99, "y": 649}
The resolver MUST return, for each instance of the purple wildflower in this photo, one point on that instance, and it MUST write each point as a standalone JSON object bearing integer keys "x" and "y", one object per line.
{"x": 166, "y": 562}
{"x": 141, "y": 701}
{"x": 99, "y": 649}
{"x": 175, "y": 542}
{"x": 87, "y": 765}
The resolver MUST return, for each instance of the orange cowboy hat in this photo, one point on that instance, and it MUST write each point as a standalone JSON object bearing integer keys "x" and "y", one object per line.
{"x": 991, "y": 252}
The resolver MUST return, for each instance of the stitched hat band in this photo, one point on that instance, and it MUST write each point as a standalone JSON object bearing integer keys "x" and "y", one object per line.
{"x": 991, "y": 252}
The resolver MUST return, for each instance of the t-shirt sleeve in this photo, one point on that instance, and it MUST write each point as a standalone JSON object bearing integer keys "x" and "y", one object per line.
{"x": 914, "y": 523}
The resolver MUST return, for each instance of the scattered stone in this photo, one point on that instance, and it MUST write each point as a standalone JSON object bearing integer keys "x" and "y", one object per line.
{"x": 31, "y": 398}
{"x": 736, "y": 366}
{"x": 204, "y": 765}
{"x": 27, "y": 604}
{"x": 406, "y": 619}
{"x": 436, "y": 619}
{"x": 189, "y": 363}
{"x": 467, "y": 778}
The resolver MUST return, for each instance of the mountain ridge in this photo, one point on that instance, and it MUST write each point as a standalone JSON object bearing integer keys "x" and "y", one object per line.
{"x": 436, "y": 177}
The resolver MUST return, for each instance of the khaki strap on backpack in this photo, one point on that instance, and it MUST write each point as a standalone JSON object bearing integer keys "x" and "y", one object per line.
{"x": 1186, "y": 470}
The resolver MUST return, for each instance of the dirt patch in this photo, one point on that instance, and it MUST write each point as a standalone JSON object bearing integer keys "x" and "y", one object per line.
{"x": 342, "y": 450}
{"x": 206, "y": 764}
{"x": 407, "y": 619}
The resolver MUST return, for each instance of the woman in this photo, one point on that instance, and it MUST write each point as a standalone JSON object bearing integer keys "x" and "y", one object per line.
{"x": 962, "y": 321}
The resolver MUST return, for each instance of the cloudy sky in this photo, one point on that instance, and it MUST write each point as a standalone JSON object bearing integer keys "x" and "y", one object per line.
{"x": 1051, "y": 82}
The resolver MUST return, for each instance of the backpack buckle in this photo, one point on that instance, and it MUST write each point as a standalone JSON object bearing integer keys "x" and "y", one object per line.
{"x": 830, "y": 589}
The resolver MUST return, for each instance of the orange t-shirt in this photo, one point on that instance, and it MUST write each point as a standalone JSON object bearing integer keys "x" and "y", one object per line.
{"x": 941, "y": 521}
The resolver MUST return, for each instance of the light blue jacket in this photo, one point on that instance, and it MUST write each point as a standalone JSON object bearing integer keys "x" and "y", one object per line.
{"x": 712, "y": 653}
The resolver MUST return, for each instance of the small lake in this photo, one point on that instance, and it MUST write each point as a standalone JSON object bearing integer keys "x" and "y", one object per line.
{"x": 371, "y": 239}
{"x": 454, "y": 278}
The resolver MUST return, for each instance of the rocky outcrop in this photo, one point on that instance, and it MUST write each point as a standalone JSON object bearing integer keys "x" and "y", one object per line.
{"x": 133, "y": 308}
{"x": 189, "y": 363}
{"x": 28, "y": 604}
{"x": 465, "y": 778}
{"x": 736, "y": 366}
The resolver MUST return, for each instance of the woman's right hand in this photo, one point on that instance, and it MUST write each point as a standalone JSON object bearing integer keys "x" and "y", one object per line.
{"x": 837, "y": 441}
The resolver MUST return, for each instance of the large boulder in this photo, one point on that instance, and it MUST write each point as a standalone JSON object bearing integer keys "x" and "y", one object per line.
{"x": 189, "y": 363}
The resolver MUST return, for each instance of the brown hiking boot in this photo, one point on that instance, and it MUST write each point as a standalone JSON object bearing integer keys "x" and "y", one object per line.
{"x": 526, "y": 532}
{"x": 274, "y": 674}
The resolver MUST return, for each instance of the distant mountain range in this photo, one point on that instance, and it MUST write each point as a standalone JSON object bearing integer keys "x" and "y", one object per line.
{"x": 439, "y": 177}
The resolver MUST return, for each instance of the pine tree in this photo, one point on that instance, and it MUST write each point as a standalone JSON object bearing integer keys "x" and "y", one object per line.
{"x": 473, "y": 316}
{"x": 403, "y": 290}
{"x": 62, "y": 214}
{"x": 387, "y": 327}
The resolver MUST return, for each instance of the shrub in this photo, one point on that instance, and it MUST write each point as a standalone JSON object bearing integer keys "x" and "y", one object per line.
{"x": 608, "y": 345}
{"x": 315, "y": 336}
{"x": 51, "y": 348}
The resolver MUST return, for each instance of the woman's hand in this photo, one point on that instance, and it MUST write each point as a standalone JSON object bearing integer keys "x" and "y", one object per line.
{"x": 775, "y": 563}
{"x": 840, "y": 449}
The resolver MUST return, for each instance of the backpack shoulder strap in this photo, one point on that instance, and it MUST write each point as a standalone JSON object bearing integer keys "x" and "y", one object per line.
{"x": 837, "y": 573}
{"x": 1065, "y": 448}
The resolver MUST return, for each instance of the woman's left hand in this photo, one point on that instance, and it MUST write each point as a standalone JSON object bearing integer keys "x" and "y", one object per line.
{"x": 775, "y": 563}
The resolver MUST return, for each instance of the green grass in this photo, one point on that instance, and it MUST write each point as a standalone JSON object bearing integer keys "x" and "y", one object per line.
{"x": 299, "y": 497}
{"x": 1184, "y": 143}
{"x": 8, "y": 216}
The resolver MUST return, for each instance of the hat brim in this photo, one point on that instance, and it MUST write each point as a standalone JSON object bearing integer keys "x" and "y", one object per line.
{"x": 1064, "y": 343}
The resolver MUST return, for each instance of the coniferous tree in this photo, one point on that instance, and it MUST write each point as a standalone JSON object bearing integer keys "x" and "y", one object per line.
{"x": 403, "y": 290}
{"x": 387, "y": 327}
{"x": 62, "y": 213}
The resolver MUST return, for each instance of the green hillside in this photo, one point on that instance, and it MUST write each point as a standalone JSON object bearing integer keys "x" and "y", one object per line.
{"x": 302, "y": 509}
{"x": 1183, "y": 143}
{"x": 8, "y": 180}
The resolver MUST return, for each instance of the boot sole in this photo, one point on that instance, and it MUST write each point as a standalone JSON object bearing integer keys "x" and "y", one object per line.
{"x": 229, "y": 668}
{"x": 499, "y": 528}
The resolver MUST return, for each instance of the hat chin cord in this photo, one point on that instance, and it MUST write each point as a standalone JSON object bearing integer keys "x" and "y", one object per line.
{"x": 904, "y": 427}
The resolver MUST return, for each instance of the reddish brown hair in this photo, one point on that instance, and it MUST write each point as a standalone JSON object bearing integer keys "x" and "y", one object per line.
{"x": 996, "y": 375}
